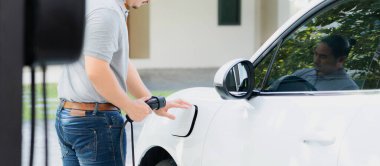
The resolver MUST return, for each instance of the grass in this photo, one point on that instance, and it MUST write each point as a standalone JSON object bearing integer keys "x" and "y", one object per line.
{"x": 53, "y": 101}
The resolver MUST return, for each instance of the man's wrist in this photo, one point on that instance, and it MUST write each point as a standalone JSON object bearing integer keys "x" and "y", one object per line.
{"x": 126, "y": 104}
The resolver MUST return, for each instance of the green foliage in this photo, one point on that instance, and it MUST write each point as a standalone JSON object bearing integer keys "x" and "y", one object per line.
{"x": 52, "y": 101}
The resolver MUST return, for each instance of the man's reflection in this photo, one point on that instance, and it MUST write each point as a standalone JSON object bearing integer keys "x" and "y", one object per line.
{"x": 328, "y": 72}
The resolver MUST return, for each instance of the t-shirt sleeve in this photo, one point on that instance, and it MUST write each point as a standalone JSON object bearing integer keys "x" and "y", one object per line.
{"x": 101, "y": 34}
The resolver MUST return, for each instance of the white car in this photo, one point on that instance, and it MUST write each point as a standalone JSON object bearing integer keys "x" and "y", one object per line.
{"x": 263, "y": 112}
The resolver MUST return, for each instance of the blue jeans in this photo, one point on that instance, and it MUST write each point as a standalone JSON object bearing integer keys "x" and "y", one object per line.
{"x": 90, "y": 140}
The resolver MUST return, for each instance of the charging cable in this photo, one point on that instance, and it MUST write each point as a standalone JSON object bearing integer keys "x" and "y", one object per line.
{"x": 33, "y": 114}
{"x": 44, "y": 98}
{"x": 154, "y": 103}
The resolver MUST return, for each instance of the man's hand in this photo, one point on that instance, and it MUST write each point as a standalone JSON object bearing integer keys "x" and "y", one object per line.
{"x": 178, "y": 103}
{"x": 137, "y": 110}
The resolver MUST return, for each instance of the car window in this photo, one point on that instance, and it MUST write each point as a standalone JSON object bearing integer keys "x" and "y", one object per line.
{"x": 262, "y": 67}
{"x": 338, "y": 49}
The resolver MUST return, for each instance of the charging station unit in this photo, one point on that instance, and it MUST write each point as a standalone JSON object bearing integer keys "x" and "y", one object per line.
{"x": 32, "y": 33}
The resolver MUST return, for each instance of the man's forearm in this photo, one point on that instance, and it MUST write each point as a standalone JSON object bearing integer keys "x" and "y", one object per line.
{"x": 105, "y": 82}
{"x": 134, "y": 83}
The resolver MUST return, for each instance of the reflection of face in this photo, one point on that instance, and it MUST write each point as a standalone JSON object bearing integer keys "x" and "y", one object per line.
{"x": 136, "y": 3}
{"x": 324, "y": 60}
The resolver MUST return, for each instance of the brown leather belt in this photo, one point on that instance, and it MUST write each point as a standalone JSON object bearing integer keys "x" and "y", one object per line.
{"x": 89, "y": 106}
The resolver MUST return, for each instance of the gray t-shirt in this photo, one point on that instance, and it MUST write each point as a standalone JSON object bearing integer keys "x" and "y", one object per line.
{"x": 106, "y": 38}
{"x": 338, "y": 80}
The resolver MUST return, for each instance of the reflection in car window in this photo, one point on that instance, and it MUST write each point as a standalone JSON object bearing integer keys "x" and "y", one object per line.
{"x": 336, "y": 50}
{"x": 371, "y": 79}
{"x": 261, "y": 68}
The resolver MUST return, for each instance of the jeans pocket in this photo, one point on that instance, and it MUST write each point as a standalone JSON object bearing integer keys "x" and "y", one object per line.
{"x": 83, "y": 141}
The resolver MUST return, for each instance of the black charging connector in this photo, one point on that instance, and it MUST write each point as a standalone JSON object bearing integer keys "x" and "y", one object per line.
{"x": 155, "y": 103}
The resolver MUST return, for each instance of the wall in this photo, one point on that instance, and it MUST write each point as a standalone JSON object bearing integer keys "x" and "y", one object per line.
{"x": 185, "y": 34}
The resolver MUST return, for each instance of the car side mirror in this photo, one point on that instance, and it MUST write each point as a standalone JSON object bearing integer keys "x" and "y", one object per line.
{"x": 235, "y": 79}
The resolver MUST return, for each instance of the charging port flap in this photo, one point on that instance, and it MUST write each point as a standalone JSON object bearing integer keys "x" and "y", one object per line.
{"x": 185, "y": 122}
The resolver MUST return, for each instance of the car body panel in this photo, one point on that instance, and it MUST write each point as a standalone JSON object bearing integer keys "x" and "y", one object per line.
{"x": 286, "y": 128}
{"x": 360, "y": 145}
{"x": 207, "y": 101}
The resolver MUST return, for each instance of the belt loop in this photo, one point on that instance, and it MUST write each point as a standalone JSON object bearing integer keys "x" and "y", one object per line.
{"x": 96, "y": 109}
{"x": 61, "y": 104}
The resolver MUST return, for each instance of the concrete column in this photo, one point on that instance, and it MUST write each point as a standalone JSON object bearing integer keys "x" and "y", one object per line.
{"x": 139, "y": 35}
{"x": 269, "y": 22}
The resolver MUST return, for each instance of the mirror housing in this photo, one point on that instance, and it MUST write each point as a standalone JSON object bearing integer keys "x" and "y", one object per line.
{"x": 235, "y": 79}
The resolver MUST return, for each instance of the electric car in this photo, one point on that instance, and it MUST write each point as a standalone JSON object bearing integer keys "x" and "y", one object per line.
{"x": 260, "y": 112}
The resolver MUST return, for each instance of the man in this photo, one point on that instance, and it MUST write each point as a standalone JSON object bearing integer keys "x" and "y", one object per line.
{"x": 328, "y": 73}
{"x": 93, "y": 89}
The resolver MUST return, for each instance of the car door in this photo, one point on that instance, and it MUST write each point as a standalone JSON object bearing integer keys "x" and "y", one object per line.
{"x": 298, "y": 121}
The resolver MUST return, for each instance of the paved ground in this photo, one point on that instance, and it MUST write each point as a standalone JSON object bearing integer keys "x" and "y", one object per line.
{"x": 175, "y": 79}
{"x": 54, "y": 150}
{"x": 158, "y": 79}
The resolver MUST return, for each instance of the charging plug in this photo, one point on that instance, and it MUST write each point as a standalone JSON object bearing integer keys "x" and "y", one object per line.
{"x": 156, "y": 102}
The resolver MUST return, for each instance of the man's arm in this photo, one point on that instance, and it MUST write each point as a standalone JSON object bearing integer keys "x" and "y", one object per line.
{"x": 134, "y": 83}
{"x": 138, "y": 89}
{"x": 106, "y": 84}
